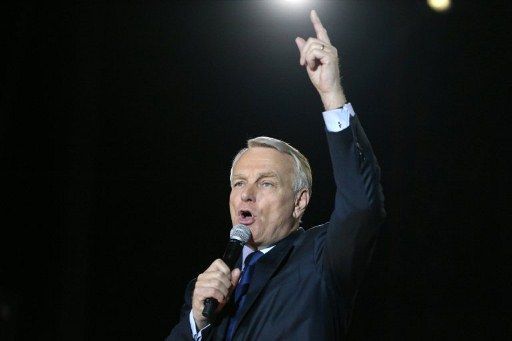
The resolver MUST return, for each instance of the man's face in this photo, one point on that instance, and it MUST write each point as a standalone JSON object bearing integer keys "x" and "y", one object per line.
{"x": 262, "y": 197}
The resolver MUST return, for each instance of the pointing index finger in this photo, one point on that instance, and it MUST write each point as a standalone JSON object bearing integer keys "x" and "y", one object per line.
{"x": 321, "y": 32}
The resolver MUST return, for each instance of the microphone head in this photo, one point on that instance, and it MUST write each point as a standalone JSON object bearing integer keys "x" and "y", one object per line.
{"x": 240, "y": 232}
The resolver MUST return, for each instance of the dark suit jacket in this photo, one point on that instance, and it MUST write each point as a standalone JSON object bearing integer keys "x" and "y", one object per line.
{"x": 304, "y": 287}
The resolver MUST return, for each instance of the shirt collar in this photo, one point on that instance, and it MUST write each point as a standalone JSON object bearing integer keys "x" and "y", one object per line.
{"x": 247, "y": 250}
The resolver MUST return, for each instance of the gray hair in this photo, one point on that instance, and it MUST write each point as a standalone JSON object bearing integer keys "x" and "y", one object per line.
{"x": 302, "y": 170}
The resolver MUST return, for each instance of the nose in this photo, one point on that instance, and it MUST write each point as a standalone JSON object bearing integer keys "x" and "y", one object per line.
{"x": 249, "y": 194}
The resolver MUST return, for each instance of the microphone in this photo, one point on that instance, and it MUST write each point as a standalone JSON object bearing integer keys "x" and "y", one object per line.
{"x": 238, "y": 236}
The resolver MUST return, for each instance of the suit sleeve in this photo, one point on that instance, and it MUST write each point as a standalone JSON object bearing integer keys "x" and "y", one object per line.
{"x": 358, "y": 210}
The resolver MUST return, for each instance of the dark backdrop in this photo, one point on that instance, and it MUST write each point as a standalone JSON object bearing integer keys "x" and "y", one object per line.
{"x": 119, "y": 121}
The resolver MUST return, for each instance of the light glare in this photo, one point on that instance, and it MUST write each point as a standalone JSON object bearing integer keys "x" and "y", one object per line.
{"x": 439, "y": 5}
{"x": 294, "y": 2}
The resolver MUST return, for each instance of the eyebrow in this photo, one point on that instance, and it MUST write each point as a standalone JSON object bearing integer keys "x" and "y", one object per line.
{"x": 260, "y": 175}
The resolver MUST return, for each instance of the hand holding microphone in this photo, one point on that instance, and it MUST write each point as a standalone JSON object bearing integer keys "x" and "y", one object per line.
{"x": 214, "y": 286}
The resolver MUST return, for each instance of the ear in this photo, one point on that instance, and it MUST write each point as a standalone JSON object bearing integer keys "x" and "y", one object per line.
{"x": 301, "y": 202}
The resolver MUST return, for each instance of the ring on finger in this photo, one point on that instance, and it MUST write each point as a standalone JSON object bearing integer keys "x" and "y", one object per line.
{"x": 323, "y": 47}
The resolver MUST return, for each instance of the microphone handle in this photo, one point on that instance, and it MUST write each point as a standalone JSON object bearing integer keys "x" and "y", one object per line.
{"x": 231, "y": 254}
{"x": 210, "y": 304}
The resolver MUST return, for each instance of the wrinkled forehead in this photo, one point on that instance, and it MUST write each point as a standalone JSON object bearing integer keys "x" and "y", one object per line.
{"x": 263, "y": 159}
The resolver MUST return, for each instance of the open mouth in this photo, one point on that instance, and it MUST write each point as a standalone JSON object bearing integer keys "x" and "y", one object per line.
{"x": 245, "y": 214}
{"x": 246, "y": 217}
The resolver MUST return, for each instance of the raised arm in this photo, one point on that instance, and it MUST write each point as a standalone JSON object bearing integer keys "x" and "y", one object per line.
{"x": 359, "y": 203}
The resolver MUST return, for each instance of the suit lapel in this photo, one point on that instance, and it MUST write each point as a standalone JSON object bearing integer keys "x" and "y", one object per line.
{"x": 265, "y": 268}
{"x": 220, "y": 331}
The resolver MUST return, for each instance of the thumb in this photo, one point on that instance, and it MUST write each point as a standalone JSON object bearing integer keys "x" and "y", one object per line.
{"x": 235, "y": 276}
{"x": 300, "y": 43}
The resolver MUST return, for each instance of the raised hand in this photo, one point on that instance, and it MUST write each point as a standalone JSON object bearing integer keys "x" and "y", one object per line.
{"x": 321, "y": 61}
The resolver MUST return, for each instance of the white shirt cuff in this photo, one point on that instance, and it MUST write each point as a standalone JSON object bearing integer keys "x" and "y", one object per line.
{"x": 195, "y": 334}
{"x": 338, "y": 119}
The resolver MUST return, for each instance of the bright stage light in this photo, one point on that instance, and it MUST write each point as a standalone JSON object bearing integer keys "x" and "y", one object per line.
{"x": 293, "y": 2}
{"x": 290, "y": 5}
{"x": 439, "y": 5}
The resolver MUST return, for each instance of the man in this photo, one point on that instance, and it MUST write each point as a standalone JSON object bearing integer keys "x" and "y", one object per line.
{"x": 303, "y": 283}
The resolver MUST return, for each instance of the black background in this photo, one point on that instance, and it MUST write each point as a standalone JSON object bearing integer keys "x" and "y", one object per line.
{"x": 119, "y": 121}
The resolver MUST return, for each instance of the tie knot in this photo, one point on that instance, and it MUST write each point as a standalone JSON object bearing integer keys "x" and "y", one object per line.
{"x": 252, "y": 258}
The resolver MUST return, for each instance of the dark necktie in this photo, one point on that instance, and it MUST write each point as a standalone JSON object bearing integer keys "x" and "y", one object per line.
{"x": 241, "y": 290}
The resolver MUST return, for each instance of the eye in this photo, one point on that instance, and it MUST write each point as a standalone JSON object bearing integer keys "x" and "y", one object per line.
{"x": 267, "y": 184}
{"x": 237, "y": 184}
